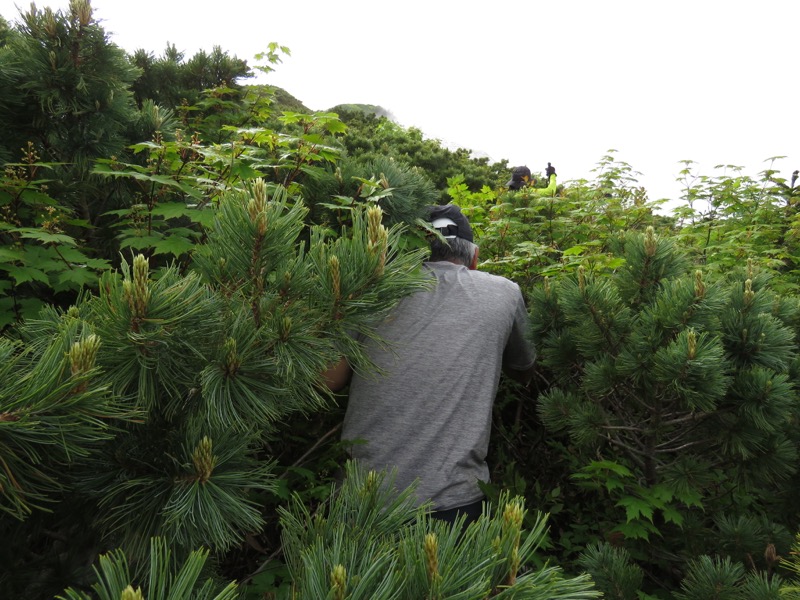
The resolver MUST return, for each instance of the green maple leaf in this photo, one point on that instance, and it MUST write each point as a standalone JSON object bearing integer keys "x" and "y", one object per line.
{"x": 636, "y": 507}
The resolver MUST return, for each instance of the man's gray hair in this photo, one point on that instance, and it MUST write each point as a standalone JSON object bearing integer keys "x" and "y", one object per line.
{"x": 455, "y": 250}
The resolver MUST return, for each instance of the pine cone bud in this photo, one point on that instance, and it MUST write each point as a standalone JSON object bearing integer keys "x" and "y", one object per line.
{"x": 336, "y": 282}
{"x": 257, "y": 206}
{"x": 232, "y": 361}
{"x": 513, "y": 515}
{"x": 581, "y": 279}
{"x": 691, "y": 340}
{"x": 699, "y": 286}
{"x": 260, "y": 193}
{"x": 82, "y": 10}
{"x": 339, "y": 582}
{"x": 432, "y": 556}
{"x": 204, "y": 460}
{"x": 50, "y": 27}
{"x": 513, "y": 567}
{"x": 749, "y": 294}
{"x": 82, "y": 355}
{"x": 285, "y": 328}
{"x": 771, "y": 555}
{"x": 547, "y": 290}
{"x": 137, "y": 290}
{"x": 374, "y": 223}
{"x": 130, "y": 594}
{"x": 370, "y": 483}
{"x": 383, "y": 244}
{"x": 650, "y": 241}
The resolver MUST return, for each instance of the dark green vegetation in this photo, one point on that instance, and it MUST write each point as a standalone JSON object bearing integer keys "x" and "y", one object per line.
{"x": 182, "y": 254}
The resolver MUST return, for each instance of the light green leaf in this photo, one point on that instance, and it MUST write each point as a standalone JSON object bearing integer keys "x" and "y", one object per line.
{"x": 575, "y": 250}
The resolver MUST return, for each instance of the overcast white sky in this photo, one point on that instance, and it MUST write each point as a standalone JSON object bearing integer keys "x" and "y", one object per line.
{"x": 530, "y": 81}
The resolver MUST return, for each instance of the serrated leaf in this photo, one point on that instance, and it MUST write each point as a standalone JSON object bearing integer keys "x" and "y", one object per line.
{"x": 690, "y": 497}
{"x": 174, "y": 244}
{"x": 661, "y": 493}
{"x": 47, "y": 237}
{"x": 608, "y": 465}
{"x": 29, "y": 308}
{"x": 24, "y": 274}
{"x": 574, "y": 251}
{"x": 120, "y": 212}
{"x": 615, "y": 263}
{"x": 79, "y": 223}
{"x": 335, "y": 126}
{"x": 32, "y": 196}
{"x": 6, "y": 311}
{"x": 613, "y": 484}
{"x": 244, "y": 171}
{"x": 204, "y": 217}
{"x": 75, "y": 278}
{"x": 140, "y": 242}
{"x": 104, "y": 167}
{"x": 171, "y": 210}
{"x": 671, "y": 515}
{"x": 8, "y": 254}
{"x": 636, "y": 508}
{"x": 640, "y": 530}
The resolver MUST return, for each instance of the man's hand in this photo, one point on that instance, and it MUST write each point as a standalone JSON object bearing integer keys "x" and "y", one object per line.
{"x": 338, "y": 375}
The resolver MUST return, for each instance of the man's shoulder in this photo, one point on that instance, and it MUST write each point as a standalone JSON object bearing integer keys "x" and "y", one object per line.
{"x": 495, "y": 280}
{"x": 482, "y": 278}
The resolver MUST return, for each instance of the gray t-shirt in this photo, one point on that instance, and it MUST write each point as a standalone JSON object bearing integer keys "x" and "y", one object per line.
{"x": 429, "y": 413}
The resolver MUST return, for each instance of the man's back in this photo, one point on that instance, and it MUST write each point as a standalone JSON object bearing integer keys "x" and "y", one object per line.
{"x": 429, "y": 413}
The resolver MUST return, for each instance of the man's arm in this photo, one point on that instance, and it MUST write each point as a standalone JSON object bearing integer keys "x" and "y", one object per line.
{"x": 524, "y": 377}
{"x": 337, "y": 375}
{"x": 519, "y": 355}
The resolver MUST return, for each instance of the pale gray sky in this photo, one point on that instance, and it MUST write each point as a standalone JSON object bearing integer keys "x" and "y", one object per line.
{"x": 531, "y": 81}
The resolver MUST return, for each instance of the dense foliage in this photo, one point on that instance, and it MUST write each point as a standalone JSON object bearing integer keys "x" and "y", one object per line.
{"x": 181, "y": 255}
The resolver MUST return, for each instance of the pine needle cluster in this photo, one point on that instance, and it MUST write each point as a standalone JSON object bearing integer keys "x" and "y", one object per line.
{"x": 150, "y": 403}
{"x": 676, "y": 392}
{"x": 370, "y": 541}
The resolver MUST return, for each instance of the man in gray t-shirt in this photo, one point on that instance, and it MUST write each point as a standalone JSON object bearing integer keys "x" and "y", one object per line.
{"x": 429, "y": 413}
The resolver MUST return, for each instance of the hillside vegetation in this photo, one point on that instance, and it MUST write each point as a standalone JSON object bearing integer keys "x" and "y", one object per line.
{"x": 181, "y": 256}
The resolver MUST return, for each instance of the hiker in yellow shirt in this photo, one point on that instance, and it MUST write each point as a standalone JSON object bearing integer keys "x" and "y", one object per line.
{"x": 521, "y": 178}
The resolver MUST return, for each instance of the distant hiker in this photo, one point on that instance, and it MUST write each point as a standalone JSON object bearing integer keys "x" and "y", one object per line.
{"x": 521, "y": 178}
